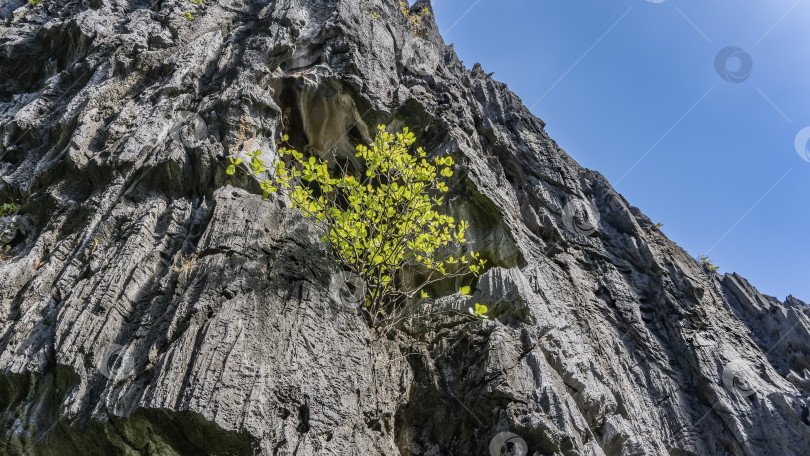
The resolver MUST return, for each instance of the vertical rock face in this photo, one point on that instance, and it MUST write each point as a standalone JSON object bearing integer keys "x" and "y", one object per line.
{"x": 152, "y": 304}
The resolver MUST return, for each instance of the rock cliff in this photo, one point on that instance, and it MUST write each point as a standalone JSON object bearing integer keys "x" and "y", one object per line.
{"x": 150, "y": 304}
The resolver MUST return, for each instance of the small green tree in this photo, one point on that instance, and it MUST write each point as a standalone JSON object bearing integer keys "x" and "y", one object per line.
{"x": 381, "y": 223}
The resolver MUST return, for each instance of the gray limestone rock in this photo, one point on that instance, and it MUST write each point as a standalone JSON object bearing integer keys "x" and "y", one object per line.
{"x": 153, "y": 305}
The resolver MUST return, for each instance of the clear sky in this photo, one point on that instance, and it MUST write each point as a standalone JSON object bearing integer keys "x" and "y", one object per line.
{"x": 701, "y": 137}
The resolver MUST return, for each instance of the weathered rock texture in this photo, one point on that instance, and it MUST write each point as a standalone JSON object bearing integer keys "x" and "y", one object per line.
{"x": 151, "y": 304}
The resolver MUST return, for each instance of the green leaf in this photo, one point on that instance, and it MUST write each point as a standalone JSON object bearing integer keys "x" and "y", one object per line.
{"x": 480, "y": 311}
{"x": 465, "y": 290}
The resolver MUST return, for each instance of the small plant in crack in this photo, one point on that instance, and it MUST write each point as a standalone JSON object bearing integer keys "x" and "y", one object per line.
{"x": 380, "y": 221}
{"x": 197, "y": 5}
{"x": 416, "y": 20}
{"x": 704, "y": 260}
{"x": 8, "y": 209}
{"x": 186, "y": 263}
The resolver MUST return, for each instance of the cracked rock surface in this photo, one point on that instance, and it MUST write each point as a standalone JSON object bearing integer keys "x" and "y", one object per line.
{"x": 151, "y": 304}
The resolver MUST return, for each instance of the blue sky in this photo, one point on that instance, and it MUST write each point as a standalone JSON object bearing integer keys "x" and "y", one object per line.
{"x": 626, "y": 80}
